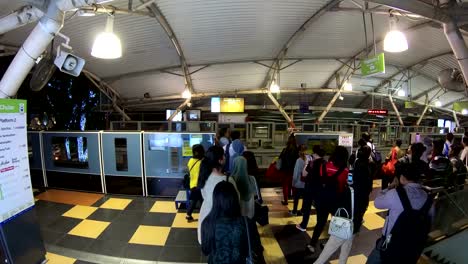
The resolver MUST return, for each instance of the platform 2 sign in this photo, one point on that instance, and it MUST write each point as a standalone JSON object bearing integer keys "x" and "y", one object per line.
{"x": 373, "y": 65}
{"x": 16, "y": 194}
{"x": 379, "y": 112}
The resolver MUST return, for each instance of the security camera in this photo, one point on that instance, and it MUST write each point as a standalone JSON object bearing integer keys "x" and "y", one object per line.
{"x": 69, "y": 63}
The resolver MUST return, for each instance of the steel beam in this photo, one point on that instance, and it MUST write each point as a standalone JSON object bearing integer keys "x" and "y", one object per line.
{"x": 455, "y": 117}
{"x": 186, "y": 102}
{"x": 282, "y": 53}
{"x": 409, "y": 67}
{"x": 433, "y": 88}
{"x": 423, "y": 112}
{"x": 170, "y": 33}
{"x": 451, "y": 102}
{"x": 367, "y": 48}
{"x": 109, "y": 92}
{"x": 396, "y": 110}
{"x": 416, "y": 7}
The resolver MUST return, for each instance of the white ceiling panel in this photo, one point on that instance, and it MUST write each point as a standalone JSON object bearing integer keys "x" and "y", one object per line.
{"x": 312, "y": 72}
{"x": 155, "y": 84}
{"x": 224, "y": 30}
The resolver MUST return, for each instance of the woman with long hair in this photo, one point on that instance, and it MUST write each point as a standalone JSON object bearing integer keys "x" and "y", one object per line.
{"x": 245, "y": 186}
{"x": 333, "y": 179}
{"x": 224, "y": 233}
{"x": 298, "y": 181}
{"x": 210, "y": 175}
{"x": 193, "y": 166}
{"x": 288, "y": 159}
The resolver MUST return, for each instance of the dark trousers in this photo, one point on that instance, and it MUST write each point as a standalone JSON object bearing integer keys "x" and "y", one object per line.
{"x": 307, "y": 205}
{"x": 195, "y": 196}
{"x": 287, "y": 184}
{"x": 298, "y": 193}
{"x": 386, "y": 180}
{"x": 324, "y": 208}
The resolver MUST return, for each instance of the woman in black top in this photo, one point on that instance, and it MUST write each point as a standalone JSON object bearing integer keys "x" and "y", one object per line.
{"x": 224, "y": 233}
{"x": 288, "y": 158}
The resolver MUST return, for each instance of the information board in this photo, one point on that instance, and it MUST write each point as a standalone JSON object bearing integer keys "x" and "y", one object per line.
{"x": 345, "y": 140}
{"x": 373, "y": 65}
{"x": 16, "y": 194}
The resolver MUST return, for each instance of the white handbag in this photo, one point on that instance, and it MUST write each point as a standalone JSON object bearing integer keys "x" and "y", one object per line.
{"x": 342, "y": 227}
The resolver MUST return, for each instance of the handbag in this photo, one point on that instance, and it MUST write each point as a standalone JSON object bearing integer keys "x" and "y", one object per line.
{"x": 342, "y": 227}
{"x": 389, "y": 167}
{"x": 261, "y": 214}
{"x": 187, "y": 177}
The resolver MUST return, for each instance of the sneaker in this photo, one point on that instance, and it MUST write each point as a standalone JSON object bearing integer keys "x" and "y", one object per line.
{"x": 311, "y": 249}
{"x": 189, "y": 218}
{"x": 299, "y": 227}
{"x": 284, "y": 202}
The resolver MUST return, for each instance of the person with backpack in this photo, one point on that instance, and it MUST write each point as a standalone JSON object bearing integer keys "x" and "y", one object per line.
{"x": 287, "y": 160}
{"x": 193, "y": 165}
{"x": 440, "y": 167}
{"x": 408, "y": 221}
{"x": 459, "y": 169}
{"x": 312, "y": 185}
{"x": 448, "y": 143}
{"x": 333, "y": 182}
{"x": 362, "y": 185}
{"x": 299, "y": 176}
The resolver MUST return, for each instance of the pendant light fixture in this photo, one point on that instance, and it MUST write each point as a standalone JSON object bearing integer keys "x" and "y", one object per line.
{"x": 395, "y": 40}
{"x": 107, "y": 45}
{"x": 274, "y": 86}
{"x": 438, "y": 103}
{"x": 186, "y": 94}
{"x": 348, "y": 86}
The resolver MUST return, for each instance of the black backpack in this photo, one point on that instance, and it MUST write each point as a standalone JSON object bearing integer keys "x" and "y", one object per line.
{"x": 407, "y": 239}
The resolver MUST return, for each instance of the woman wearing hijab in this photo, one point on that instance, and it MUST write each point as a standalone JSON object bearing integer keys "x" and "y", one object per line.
{"x": 245, "y": 186}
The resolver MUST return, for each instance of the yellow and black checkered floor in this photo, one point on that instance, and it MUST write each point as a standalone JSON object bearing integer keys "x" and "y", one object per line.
{"x": 92, "y": 228}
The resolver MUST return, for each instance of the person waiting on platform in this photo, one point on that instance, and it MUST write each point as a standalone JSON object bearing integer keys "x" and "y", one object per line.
{"x": 299, "y": 176}
{"x": 194, "y": 170}
{"x": 312, "y": 185}
{"x": 459, "y": 170}
{"x": 210, "y": 175}
{"x": 245, "y": 186}
{"x": 440, "y": 167}
{"x": 362, "y": 185}
{"x": 223, "y": 137}
{"x": 333, "y": 179}
{"x": 448, "y": 143}
{"x": 225, "y": 232}
{"x": 287, "y": 161}
{"x": 397, "y": 149}
{"x": 414, "y": 156}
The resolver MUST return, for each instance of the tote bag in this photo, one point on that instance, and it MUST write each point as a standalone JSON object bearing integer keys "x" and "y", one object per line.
{"x": 342, "y": 227}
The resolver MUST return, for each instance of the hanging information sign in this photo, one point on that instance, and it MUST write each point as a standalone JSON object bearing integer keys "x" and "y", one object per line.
{"x": 379, "y": 112}
{"x": 16, "y": 194}
{"x": 373, "y": 65}
{"x": 345, "y": 140}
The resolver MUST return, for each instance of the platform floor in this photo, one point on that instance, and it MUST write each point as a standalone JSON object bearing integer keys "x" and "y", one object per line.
{"x": 82, "y": 227}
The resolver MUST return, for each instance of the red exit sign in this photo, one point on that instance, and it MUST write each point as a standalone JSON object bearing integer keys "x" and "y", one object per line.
{"x": 381, "y": 112}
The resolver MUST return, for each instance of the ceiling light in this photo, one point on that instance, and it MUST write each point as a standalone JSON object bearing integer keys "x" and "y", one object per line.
{"x": 186, "y": 94}
{"x": 274, "y": 87}
{"x": 348, "y": 86}
{"x": 107, "y": 45}
{"x": 464, "y": 112}
{"x": 395, "y": 40}
{"x": 401, "y": 93}
{"x": 438, "y": 103}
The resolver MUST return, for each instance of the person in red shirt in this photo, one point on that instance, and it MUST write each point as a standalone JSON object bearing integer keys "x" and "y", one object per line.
{"x": 333, "y": 179}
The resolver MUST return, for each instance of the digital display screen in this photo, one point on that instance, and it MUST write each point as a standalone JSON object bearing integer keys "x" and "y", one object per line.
{"x": 380, "y": 112}
{"x": 227, "y": 105}
{"x": 328, "y": 145}
{"x": 177, "y": 118}
{"x": 193, "y": 115}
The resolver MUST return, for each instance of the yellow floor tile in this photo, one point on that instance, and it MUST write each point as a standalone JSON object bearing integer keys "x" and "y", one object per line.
{"x": 299, "y": 205}
{"x": 163, "y": 207}
{"x": 116, "y": 203}
{"x": 57, "y": 259}
{"x": 80, "y": 211}
{"x": 373, "y": 221}
{"x": 181, "y": 222}
{"x": 150, "y": 235}
{"x": 272, "y": 252}
{"x": 358, "y": 259}
{"x": 372, "y": 209}
{"x": 89, "y": 228}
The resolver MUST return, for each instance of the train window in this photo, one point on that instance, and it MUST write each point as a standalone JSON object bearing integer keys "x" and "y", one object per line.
{"x": 70, "y": 152}
{"x": 121, "y": 157}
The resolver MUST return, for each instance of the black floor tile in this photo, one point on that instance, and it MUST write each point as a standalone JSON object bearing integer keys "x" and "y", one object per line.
{"x": 158, "y": 219}
{"x": 75, "y": 242}
{"x": 107, "y": 215}
{"x": 51, "y": 237}
{"x": 180, "y": 254}
{"x": 139, "y": 206}
{"x": 83, "y": 262}
{"x": 143, "y": 252}
{"x": 101, "y": 201}
{"x": 119, "y": 231}
{"x": 182, "y": 237}
{"x": 63, "y": 224}
{"x": 130, "y": 217}
{"x": 108, "y": 248}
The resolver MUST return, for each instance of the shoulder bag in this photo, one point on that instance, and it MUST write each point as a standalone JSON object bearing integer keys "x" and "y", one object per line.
{"x": 342, "y": 227}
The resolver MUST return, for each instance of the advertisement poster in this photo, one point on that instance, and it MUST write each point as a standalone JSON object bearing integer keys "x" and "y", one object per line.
{"x": 345, "y": 141}
{"x": 16, "y": 194}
